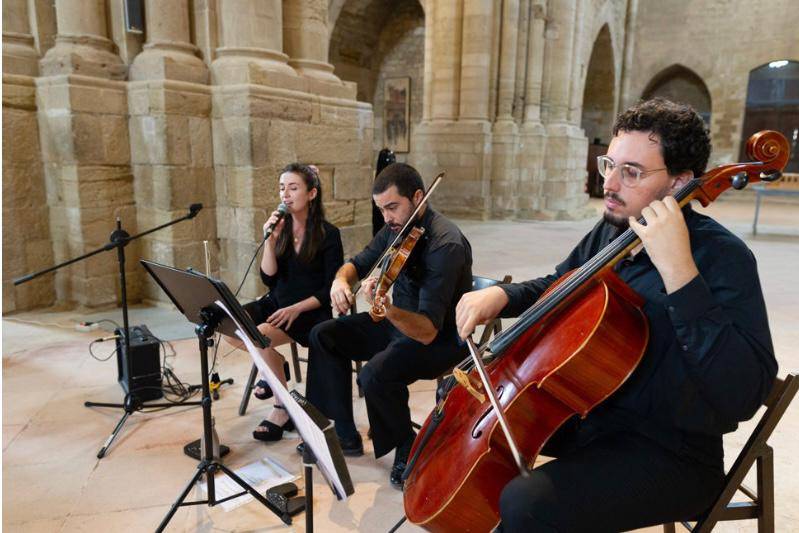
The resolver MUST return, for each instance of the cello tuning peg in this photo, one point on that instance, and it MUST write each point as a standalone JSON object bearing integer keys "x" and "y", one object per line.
{"x": 740, "y": 180}
{"x": 772, "y": 175}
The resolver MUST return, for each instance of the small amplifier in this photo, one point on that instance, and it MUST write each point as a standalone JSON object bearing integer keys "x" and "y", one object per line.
{"x": 145, "y": 363}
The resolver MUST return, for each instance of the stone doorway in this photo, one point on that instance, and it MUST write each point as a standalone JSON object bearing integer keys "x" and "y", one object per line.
{"x": 376, "y": 40}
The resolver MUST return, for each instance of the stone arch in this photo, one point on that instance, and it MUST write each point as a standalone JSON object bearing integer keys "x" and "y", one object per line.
{"x": 772, "y": 102}
{"x": 681, "y": 84}
{"x": 598, "y": 104}
{"x": 373, "y": 40}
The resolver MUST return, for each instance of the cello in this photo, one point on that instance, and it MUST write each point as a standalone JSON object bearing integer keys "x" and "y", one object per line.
{"x": 564, "y": 356}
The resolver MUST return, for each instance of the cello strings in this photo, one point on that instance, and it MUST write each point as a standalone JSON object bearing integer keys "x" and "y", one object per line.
{"x": 545, "y": 305}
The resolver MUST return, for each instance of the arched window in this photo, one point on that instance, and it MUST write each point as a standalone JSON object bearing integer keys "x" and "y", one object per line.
{"x": 772, "y": 103}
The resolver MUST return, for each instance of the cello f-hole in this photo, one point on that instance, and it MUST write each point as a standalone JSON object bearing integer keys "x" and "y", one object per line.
{"x": 476, "y": 431}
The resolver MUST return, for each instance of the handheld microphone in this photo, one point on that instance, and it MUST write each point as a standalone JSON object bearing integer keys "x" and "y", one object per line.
{"x": 282, "y": 211}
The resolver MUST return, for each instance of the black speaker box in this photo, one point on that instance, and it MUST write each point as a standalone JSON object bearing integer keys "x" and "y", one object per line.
{"x": 145, "y": 368}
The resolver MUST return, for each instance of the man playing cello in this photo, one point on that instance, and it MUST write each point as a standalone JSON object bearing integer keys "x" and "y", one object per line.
{"x": 416, "y": 340}
{"x": 652, "y": 452}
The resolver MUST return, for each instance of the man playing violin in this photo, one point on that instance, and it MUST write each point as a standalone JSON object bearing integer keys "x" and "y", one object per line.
{"x": 652, "y": 452}
{"x": 417, "y": 339}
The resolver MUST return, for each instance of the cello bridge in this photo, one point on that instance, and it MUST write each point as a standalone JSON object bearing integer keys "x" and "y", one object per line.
{"x": 472, "y": 387}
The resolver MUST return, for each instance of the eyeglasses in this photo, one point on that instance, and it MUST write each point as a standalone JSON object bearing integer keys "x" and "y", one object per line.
{"x": 630, "y": 174}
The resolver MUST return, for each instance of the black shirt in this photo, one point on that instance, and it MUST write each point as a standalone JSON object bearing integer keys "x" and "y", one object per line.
{"x": 436, "y": 275}
{"x": 709, "y": 362}
{"x": 296, "y": 280}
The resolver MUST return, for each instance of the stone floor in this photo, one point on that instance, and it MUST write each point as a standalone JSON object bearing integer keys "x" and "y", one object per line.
{"x": 52, "y": 480}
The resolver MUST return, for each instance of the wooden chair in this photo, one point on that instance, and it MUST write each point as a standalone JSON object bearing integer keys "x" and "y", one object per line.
{"x": 295, "y": 363}
{"x": 760, "y": 503}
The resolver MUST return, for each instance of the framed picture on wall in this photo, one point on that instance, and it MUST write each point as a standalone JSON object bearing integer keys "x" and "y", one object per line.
{"x": 397, "y": 114}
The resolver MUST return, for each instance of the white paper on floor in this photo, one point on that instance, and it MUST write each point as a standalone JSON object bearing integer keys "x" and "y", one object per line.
{"x": 261, "y": 475}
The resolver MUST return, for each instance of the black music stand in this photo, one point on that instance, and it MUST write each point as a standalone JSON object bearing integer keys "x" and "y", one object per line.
{"x": 195, "y": 295}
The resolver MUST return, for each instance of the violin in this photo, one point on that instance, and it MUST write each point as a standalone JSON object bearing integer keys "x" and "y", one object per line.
{"x": 392, "y": 266}
{"x": 393, "y": 259}
{"x": 564, "y": 356}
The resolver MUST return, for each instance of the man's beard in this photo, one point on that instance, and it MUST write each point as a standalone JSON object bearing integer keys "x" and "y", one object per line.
{"x": 621, "y": 222}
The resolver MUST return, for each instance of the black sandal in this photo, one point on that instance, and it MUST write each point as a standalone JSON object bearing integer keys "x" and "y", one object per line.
{"x": 274, "y": 432}
{"x": 262, "y": 384}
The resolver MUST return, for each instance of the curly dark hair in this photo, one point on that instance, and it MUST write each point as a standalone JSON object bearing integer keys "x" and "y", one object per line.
{"x": 314, "y": 227}
{"x": 684, "y": 139}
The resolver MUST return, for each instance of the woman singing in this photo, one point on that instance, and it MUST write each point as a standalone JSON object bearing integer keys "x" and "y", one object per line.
{"x": 299, "y": 262}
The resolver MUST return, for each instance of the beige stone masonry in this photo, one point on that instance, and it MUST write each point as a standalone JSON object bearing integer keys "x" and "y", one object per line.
{"x": 26, "y": 232}
{"x": 86, "y": 155}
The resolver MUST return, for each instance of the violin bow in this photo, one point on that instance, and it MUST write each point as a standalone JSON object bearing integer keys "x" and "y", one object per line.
{"x": 400, "y": 233}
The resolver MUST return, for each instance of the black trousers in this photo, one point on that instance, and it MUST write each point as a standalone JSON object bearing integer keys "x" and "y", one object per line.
{"x": 618, "y": 482}
{"x": 394, "y": 362}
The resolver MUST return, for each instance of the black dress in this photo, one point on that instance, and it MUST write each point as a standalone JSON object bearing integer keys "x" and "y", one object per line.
{"x": 296, "y": 280}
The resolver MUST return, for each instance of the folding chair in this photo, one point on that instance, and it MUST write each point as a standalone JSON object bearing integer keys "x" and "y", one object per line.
{"x": 760, "y": 504}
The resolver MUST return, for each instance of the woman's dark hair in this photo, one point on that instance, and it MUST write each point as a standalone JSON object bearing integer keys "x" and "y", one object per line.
{"x": 404, "y": 177}
{"x": 684, "y": 139}
{"x": 314, "y": 227}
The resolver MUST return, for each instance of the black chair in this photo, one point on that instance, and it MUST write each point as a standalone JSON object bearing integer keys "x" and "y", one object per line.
{"x": 295, "y": 363}
{"x": 760, "y": 503}
{"x": 493, "y": 327}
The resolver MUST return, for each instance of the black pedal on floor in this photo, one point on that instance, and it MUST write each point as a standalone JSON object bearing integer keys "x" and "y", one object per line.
{"x": 192, "y": 449}
{"x": 285, "y": 498}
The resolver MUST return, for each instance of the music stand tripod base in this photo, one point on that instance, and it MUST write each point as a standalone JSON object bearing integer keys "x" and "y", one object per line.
{"x": 194, "y": 450}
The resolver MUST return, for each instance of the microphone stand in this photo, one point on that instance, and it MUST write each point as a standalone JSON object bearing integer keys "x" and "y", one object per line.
{"x": 119, "y": 239}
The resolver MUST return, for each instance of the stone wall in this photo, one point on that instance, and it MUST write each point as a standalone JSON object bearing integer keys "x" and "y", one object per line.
{"x": 205, "y": 107}
{"x": 721, "y": 42}
{"x": 216, "y": 96}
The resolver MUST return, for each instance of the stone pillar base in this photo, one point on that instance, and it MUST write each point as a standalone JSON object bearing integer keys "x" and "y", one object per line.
{"x": 533, "y": 139}
{"x": 83, "y": 55}
{"x": 86, "y": 156}
{"x": 462, "y": 149}
{"x": 255, "y": 66}
{"x": 171, "y": 156}
{"x": 19, "y": 54}
{"x": 26, "y": 233}
{"x": 505, "y": 170}
{"x": 563, "y": 190}
{"x": 169, "y": 61}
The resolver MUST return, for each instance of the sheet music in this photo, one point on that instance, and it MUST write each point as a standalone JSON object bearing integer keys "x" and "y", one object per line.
{"x": 308, "y": 430}
{"x": 261, "y": 475}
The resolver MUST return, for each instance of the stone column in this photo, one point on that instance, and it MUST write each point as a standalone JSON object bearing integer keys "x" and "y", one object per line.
{"x": 306, "y": 38}
{"x": 562, "y": 193}
{"x": 251, "y": 45}
{"x": 19, "y": 52}
{"x": 505, "y": 141}
{"x": 507, "y": 60}
{"x": 82, "y": 43}
{"x": 478, "y": 16}
{"x": 447, "y": 28}
{"x": 456, "y": 136}
{"x": 83, "y": 128}
{"x": 26, "y": 233}
{"x": 168, "y": 53}
{"x": 169, "y": 103}
{"x": 533, "y": 135}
